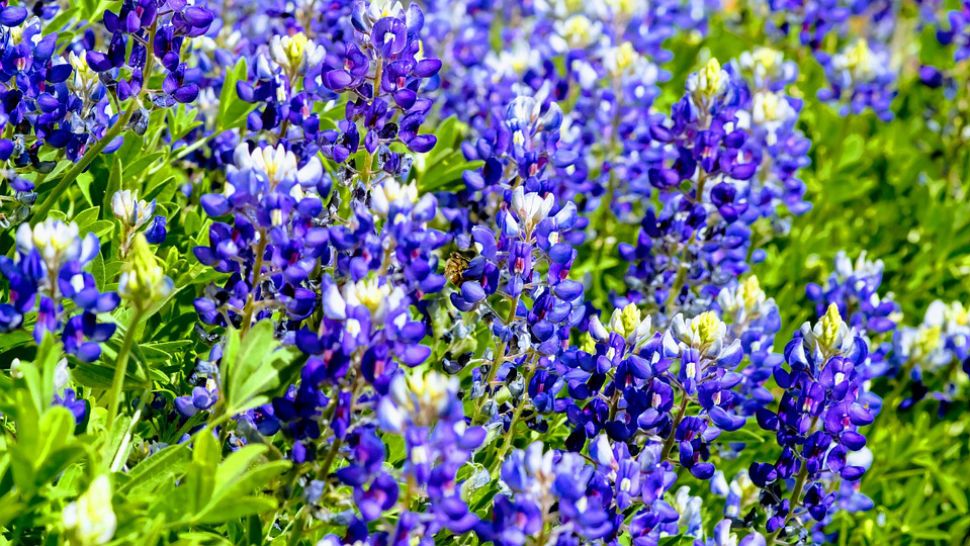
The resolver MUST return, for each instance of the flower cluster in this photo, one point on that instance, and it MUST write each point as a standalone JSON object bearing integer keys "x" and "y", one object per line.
{"x": 817, "y": 423}
{"x": 47, "y": 270}
{"x": 931, "y": 354}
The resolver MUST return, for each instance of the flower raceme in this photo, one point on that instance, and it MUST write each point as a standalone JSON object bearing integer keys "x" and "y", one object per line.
{"x": 48, "y": 269}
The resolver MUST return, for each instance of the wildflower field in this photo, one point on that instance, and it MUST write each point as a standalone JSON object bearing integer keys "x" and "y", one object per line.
{"x": 461, "y": 272}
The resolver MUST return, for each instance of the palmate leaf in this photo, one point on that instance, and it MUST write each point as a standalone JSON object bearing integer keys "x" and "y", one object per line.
{"x": 254, "y": 368}
{"x": 217, "y": 491}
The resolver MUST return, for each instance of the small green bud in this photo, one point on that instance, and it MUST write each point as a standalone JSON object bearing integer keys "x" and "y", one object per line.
{"x": 143, "y": 280}
{"x": 91, "y": 519}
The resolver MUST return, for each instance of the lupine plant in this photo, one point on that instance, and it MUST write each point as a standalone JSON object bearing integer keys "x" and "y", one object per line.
{"x": 512, "y": 272}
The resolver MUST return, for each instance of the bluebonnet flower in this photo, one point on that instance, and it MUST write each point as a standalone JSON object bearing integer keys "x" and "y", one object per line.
{"x": 693, "y": 244}
{"x": 273, "y": 205}
{"x": 427, "y": 412}
{"x": 958, "y": 33}
{"x": 58, "y": 100}
{"x": 854, "y": 288}
{"x": 201, "y": 399}
{"x": 156, "y": 231}
{"x": 49, "y": 267}
{"x": 753, "y": 319}
{"x": 77, "y": 407}
{"x": 770, "y": 114}
{"x": 861, "y": 77}
{"x": 133, "y": 213}
{"x": 817, "y": 423}
{"x": 139, "y": 25}
{"x": 724, "y": 537}
{"x": 389, "y": 42}
{"x": 928, "y": 355}
{"x": 812, "y": 20}
{"x": 537, "y": 483}
{"x": 706, "y": 370}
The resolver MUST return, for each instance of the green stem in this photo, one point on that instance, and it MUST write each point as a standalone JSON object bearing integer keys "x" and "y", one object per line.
{"x": 121, "y": 367}
{"x": 516, "y": 414}
{"x": 257, "y": 273}
{"x": 119, "y": 459}
{"x": 193, "y": 147}
{"x": 82, "y": 164}
{"x": 601, "y": 221}
{"x": 795, "y": 494}
{"x": 503, "y": 348}
{"x": 365, "y": 171}
{"x": 337, "y": 442}
{"x": 669, "y": 442}
{"x": 216, "y": 419}
{"x": 299, "y": 519}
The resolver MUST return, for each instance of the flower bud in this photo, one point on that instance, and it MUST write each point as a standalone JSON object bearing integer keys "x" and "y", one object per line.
{"x": 91, "y": 519}
{"x": 708, "y": 83}
{"x": 706, "y": 328}
{"x": 630, "y": 316}
{"x": 295, "y": 52}
{"x": 143, "y": 280}
{"x": 129, "y": 209}
{"x": 830, "y": 328}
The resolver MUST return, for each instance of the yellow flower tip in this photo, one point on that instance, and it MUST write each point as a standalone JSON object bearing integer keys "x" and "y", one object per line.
{"x": 767, "y": 58}
{"x": 295, "y": 47}
{"x": 707, "y": 327}
{"x": 626, "y": 57}
{"x": 370, "y": 293}
{"x": 831, "y": 325}
{"x": 751, "y": 293}
{"x": 630, "y": 319}
{"x": 709, "y": 81}
{"x": 927, "y": 339}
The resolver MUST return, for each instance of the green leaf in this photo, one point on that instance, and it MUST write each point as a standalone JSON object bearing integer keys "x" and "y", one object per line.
{"x": 237, "y": 463}
{"x": 84, "y": 182}
{"x": 161, "y": 468}
{"x": 114, "y": 178}
{"x": 39, "y": 375}
{"x": 236, "y": 509}
{"x": 164, "y": 350}
{"x": 255, "y": 367}
{"x": 200, "y": 480}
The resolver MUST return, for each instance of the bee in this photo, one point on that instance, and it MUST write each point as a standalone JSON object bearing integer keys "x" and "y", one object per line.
{"x": 455, "y": 268}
